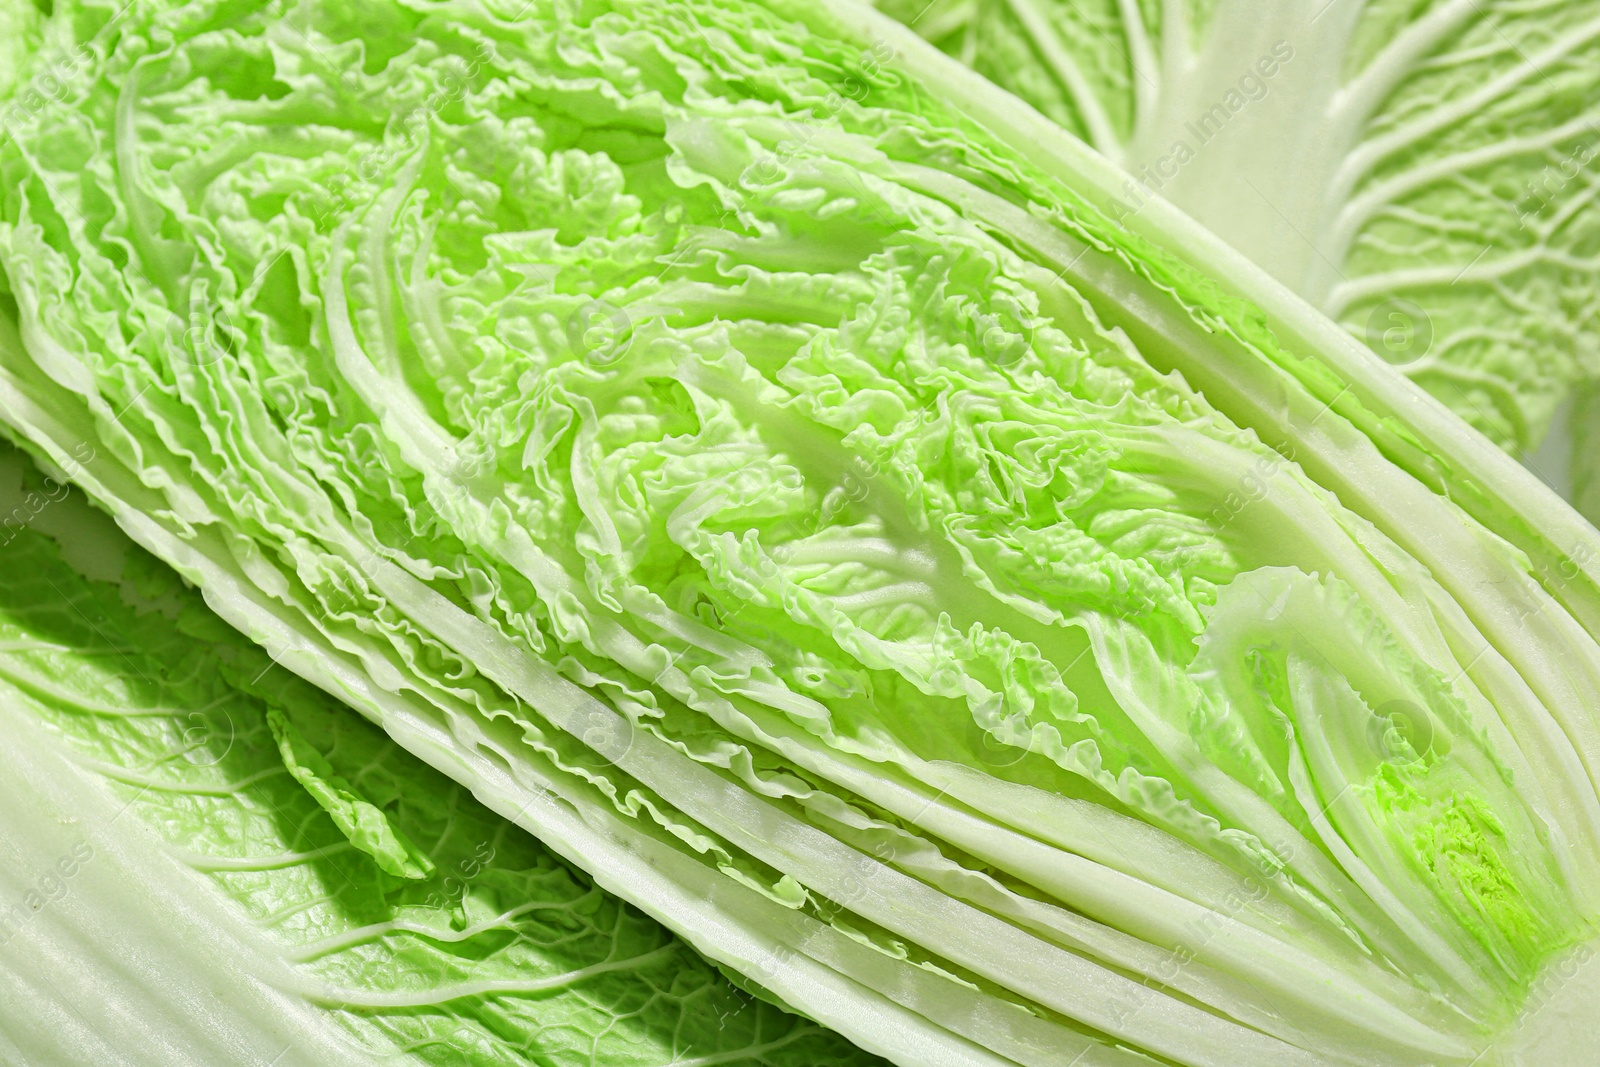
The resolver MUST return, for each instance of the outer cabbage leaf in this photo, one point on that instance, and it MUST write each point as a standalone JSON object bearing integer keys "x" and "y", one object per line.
{"x": 1422, "y": 172}
{"x": 741, "y": 447}
{"x": 173, "y": 725}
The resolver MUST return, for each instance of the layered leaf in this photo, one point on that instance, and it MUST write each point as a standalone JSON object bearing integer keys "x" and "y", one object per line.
{"x": 738, "y": 446}
{"x": 1422, "y": 172}
{"x": 187, "y": 748}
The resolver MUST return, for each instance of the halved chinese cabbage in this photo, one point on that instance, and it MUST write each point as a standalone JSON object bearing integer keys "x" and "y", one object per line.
{"x": 746, "y": 451}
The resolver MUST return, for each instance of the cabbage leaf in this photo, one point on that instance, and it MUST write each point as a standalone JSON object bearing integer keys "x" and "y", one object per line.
{"x": 1425, "y": 173}
{"x": 744, "y": 449}
{"x": 175, "y": 892}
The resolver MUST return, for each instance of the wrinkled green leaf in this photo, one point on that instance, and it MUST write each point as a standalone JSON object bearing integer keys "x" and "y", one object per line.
{"x": 490, "y": 952}
{"x": 741, "y": 447}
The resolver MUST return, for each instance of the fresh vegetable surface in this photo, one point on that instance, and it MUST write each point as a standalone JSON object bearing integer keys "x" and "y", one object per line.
{"x": 408, "y": 923}
{"x": 747, "y": 452}
{"x": 1425, "y": 173}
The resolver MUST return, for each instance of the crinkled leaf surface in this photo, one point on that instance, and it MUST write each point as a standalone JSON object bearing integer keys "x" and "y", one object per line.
{"x": 738, "y": 448}
{"x": 496, "y": 953}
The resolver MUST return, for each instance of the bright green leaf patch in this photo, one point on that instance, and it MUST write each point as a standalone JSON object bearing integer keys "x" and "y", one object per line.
{"x": 359, "y": 820}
